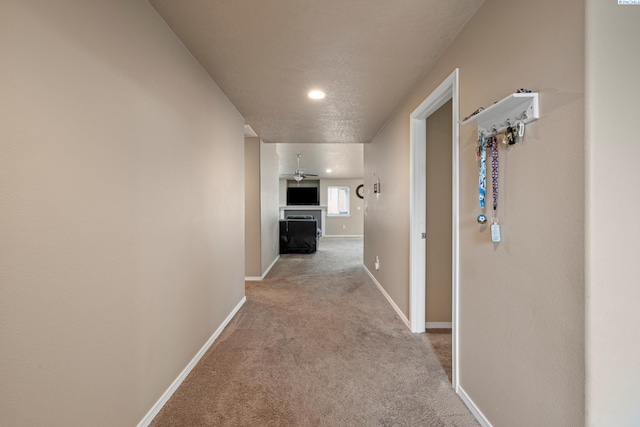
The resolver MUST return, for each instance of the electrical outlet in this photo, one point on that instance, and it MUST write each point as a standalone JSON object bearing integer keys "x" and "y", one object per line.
{"x": 344, "y": 226}
{"x": 377, "y": 263}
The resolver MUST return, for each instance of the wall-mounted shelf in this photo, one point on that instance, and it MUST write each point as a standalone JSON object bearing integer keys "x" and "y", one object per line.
{"x": 515, "y": 108}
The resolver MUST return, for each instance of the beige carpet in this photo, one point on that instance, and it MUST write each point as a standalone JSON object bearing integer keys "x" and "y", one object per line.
{"x": 317, "y": 344}
{"x": 440, "y": 340}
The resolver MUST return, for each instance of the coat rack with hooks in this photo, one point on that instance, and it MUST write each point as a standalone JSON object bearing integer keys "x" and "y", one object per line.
{"x": 515, "y": 108}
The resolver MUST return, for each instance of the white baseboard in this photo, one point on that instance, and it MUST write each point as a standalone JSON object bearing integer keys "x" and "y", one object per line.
{"x": 257, "y": 279}
{"x": 343, "y": 235}
{"x": 484, "y": 422}
{"x": 386, "y": 295}
{"x": 438, "y": 325}
{"x": 176, "y": 383}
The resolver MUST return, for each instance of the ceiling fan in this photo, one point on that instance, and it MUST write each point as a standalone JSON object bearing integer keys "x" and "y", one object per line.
{"x": 299, "y": 174}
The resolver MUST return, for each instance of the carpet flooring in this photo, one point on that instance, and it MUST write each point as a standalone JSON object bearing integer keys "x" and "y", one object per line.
{"x": 316, "y": 344}
{"x": 440, "y": 340}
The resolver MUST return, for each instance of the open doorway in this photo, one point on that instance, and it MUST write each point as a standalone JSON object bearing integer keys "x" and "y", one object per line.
{"x": 445, "y": 92}
{"x": 438, "y": 259}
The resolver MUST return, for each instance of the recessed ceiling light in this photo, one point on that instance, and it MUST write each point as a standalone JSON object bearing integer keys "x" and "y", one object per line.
{"x": 328, "y": 170}
{"x": 316, "y": 94}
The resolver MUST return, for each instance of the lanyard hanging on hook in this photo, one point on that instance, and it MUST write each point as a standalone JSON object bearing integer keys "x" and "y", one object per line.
{"x": 482, "y": 178}
{"x": 495, "y": 167}
{"x": 495, "y": 175}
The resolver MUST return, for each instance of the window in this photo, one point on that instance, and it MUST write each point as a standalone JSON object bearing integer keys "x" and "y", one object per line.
{"x": 338, "y": 201}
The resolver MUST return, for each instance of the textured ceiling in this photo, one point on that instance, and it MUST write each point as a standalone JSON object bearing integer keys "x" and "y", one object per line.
{"x": 365, "y": 54}
{"x": 344, "y": 160}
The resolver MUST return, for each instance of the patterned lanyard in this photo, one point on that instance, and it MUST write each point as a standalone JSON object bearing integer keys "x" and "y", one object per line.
{"x": 495, "y": 227}
{"x": 494, "y": 172}
{"x": 482, "y": 177}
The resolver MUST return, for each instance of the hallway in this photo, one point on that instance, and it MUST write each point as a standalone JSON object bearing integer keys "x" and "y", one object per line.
{"x": 316, "y": 344}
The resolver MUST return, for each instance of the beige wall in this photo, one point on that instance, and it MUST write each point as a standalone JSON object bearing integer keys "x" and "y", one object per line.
{"x": 262, "y": 192}
{"x": 613, "y": 203}
{"x": 522, "y": 301}
{"x": 252, "y": 212}
{"x": 344, "y": 226}
{"x": 269, "y": 205}
{"x": 122, "y": 225}
{"x": 439, "y": 219}
{"x": 282, "y": 184}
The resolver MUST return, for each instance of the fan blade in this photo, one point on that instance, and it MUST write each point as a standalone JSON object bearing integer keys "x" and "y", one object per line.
{"x": 310, "y": 174}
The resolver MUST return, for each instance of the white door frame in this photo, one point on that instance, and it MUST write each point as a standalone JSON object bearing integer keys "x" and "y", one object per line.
{"x": 448, "y": 90}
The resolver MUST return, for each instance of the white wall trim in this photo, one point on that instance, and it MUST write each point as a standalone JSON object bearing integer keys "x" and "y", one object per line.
{"x": 257, "y": 279}
{"x": 484, "y": 422}
{"x": 343, "y": 235}
{"x": 438, "y": 325}
{"x": 386, "y": 295}
{"x": 176, "y": 383}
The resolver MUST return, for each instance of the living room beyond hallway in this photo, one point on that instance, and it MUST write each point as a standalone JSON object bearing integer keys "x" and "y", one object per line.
{"x": 317, "y": 344}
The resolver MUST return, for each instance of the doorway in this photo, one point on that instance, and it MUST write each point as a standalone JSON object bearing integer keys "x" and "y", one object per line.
{"x": 447, "y": 91}
{"x": 438, "y": 228}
